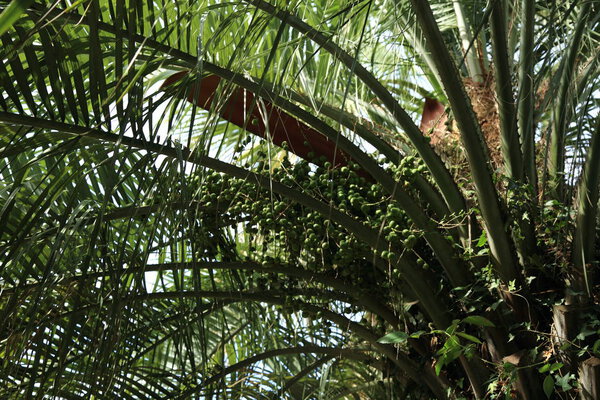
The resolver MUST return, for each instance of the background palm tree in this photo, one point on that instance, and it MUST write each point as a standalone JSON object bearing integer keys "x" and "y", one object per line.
{"x": 234, "y": 200}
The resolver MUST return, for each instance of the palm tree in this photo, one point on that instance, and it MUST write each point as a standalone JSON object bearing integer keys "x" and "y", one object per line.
{"x": 234, "y": 200}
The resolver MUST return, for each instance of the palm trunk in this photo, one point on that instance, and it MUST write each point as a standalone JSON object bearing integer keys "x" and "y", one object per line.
{"x": 589, "y": 379}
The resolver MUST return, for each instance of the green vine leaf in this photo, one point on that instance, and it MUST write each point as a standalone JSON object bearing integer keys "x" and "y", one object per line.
{"x": 469, "y": 337}
{"x": 478, "y": 320}
{"x": 394, "y": 337}
{"x": 548, "y": 386}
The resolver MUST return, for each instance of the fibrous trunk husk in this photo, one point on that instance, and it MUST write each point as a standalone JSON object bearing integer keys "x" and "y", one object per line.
{"x": 589, "y": 379}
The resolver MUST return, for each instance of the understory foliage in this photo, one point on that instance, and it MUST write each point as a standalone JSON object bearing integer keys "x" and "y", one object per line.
{"x": 372, "y": 199}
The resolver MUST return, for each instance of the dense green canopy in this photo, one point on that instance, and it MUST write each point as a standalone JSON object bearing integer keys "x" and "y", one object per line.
{"x": 354, "y": 199}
